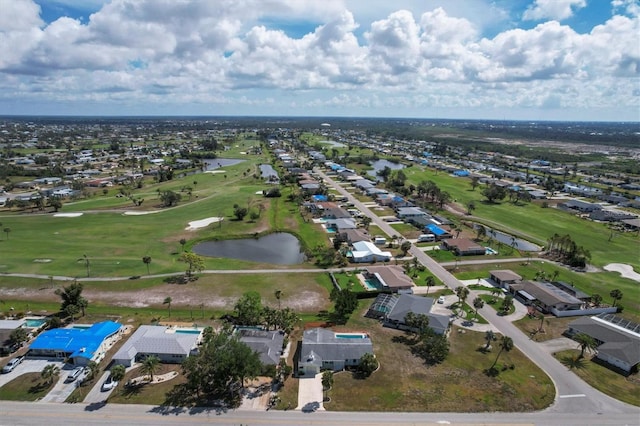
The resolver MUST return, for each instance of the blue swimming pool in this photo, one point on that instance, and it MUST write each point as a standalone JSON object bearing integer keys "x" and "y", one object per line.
{"x": 35, "y": 322}
{"x": 188, "y": 331}
{"x": 351, "y": 336}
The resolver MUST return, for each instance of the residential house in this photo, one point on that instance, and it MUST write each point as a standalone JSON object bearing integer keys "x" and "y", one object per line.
{"x": 618, "y": 339}
{"x": 439, "y": 232}
{"x": 6, "y": 328}
{"x": 392, "y": 309}
{"x": 78, "y": 345}
{"x": 323, "y": 349}
{"x": 267, "y": 343}
{"x": 169, "y": 344}
{"x": 463, "y": 246}
{"x": 581, "y": 206}
{"x": 367, "y": 252}
{"x": 503, "y": 278}
{"x": 407, "y": 213}
{"x": 354, "y": 235}
{"x": 390, "y": 277}
{"x": 545, "y": 296}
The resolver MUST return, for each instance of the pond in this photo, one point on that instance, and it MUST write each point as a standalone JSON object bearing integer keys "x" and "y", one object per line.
{"x": 506, "y": 239}
{"x": 217, "y": 163}
{"x": 280, "y": 248}
{"x": 381, "y": 164}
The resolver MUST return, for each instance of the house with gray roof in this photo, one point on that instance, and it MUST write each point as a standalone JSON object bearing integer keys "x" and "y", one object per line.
{"x": 618, "y": 339}
{"x": 545, "y": 296}
{"x": 267, "y": 343}
{"x": 324, "y": 349}
{"x": 392, "y": 309}
{"x": 170, "y": 344}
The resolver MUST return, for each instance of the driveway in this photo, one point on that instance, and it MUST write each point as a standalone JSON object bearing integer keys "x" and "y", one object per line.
{"x": 96, "y": 395}
{"x": 310, "y": 393}
{"x": 28, "y": 366}
{"x": 62, "y": 389}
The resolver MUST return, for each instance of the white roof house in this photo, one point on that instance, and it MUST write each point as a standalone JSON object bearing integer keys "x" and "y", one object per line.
{"x": 365, "y": 251}
{"x": 169, "y": 344}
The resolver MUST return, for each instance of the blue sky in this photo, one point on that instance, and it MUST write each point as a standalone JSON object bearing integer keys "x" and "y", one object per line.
{"x": 491, "y": 59}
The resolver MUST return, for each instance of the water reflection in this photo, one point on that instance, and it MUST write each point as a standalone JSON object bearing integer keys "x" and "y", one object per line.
{"x": 280, "y": 248}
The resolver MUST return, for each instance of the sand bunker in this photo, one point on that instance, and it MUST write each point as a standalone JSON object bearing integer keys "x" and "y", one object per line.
{"x": 197, "y": 224}
{"x": 215, "y": 171}
{"x": 625, "y": 270}
{"x": 134, "y": 213}
{"x": 68, "y": 214}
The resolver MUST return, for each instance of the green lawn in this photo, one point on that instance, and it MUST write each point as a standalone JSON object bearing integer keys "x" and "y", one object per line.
{"x": 404, "y": 383}
{"x": 27, "y": 387}
{"x": 536, "y": 223}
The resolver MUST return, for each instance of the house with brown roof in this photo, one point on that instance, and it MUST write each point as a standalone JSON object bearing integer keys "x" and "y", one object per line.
{"x": 504, "y": 277}
{"x": 391, "y": 277}
{"x": 463, "y": 246}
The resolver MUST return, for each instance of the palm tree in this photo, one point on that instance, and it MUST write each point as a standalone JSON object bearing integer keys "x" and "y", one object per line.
{"x": 585, "y": 342}
{"x": 506, "y": 344}
{"x": 167, "y": 301}
{"x": 50, "y": 373}
{"x": 489, "y": 336}
{"x": 87, "y": 263}
{"x": 481, "y": 232}
{"x": 182, "y": 243}
{"x": 7, "y": 231}
{"x": 429, "y": 281}
{"x": 147, "y": 261}
{"x": 616, "y": 294}
{"x": 478, "y": 303}
{"x": 92, "y": 368}
{"x": 278, "y": 294}
{"x": 117, "y": 372}
{"x": 496, "y": 292}
{"x": 150, "y": 366}
{"x": 462, "y": 292}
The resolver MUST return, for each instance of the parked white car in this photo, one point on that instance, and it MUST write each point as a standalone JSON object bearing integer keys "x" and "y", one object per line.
{"x": 441, "y": 300}
{"x": 109, "y": 384}
{"x": 12, "y": 364}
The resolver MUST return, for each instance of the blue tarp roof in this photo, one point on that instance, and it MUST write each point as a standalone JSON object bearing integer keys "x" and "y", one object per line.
{"x": 461, "y": 173}
{"x": 319, "y": 198}
{"x": 435, "y": 229}
{"x": 82, "y": 342}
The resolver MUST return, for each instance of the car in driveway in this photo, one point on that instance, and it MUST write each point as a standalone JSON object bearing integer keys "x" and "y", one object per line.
{"x": 74, "y": 374}
{"x": 109, "y": 384}
{"x": 441, "y": 300}
{"x": 12, "y": 364}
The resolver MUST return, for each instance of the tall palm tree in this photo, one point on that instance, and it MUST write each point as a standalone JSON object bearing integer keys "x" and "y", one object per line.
{"x": 489, "y": 336}
{"x": 50, "y": 373}
{"x": 478, "y": 303}
{"x": 150, "y": 366}
{"x": 506, "y": 344}
{"x": 585, "y": 342}
{"x": 430, "y": 281}
{"x": 616, "y": 294}
{"x": 278, "y": 294}
{"x": 167, "y": 301}
{"x": 147, "y": 261}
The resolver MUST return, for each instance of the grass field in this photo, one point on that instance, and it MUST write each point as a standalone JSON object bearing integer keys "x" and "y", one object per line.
{"x": 404, "y": 383}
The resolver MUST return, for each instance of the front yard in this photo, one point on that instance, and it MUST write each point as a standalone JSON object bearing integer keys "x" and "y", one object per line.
{"x": 404, "y": 383}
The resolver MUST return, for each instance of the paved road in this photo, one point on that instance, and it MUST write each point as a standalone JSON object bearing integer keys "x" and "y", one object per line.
{"x": 20, "y": 413}
{"x": 572, "y": 394}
